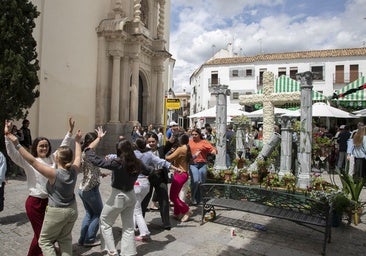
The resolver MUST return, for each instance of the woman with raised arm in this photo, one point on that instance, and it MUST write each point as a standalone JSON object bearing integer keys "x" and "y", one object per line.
{"x": 90, "y": 196}
{"x": 180, "y": 157}
{"x": 62, "y": 211}
{"x": 126, "y": 168}
{"x": 37, "y": 200}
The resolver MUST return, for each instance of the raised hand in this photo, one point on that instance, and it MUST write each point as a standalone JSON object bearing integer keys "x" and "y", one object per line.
{"x": 78, "y": 136}
{"x": 100, "y": 132}
{"x": 71, "y": 124}
{"x": 7, "y": 127}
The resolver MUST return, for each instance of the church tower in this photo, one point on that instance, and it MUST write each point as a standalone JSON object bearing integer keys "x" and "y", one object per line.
{"x": 131, "y": 58}
{"x": 103, "y": 63}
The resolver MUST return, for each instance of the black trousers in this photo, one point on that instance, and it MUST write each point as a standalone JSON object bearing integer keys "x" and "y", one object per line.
{"x": 2, "y": 197}
{"x": 160, "y": 184}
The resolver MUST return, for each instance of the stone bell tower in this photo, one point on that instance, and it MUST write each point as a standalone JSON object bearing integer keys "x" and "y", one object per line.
{"x": 132, "y": 59}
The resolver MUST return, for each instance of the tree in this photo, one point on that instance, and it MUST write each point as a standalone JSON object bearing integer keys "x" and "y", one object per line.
{"x": 18, "y": 59}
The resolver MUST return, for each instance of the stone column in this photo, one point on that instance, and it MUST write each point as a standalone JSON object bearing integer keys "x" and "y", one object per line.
{"x": 161, "y": 19}
{"x": 134, "y": 90}
{"x": 306, "y": 80}
{"x": 240, "y": 137}
{"x": 286, "y": 146}
{"x": 160, "y": 97}
{"x": 125, "y": 91}
{"x": 115, "y": 86}
{"x": 221, "y": 91}
{"x": 102, "y": 84}
{"x": 136, "y": 10}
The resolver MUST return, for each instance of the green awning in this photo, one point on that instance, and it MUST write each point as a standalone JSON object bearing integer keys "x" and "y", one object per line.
{"x": 286, "y": 84}
{"x": 356, "y": 99}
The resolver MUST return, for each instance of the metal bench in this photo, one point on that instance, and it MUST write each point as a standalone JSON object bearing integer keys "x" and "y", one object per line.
{"x": 291, "y": 206}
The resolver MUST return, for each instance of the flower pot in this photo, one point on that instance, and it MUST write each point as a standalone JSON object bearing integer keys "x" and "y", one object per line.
{"x": 356, "y": 216}
{"x": 227, "y": 176}
{"x": 255, "y": 178}
{"x": 244, "y": 177}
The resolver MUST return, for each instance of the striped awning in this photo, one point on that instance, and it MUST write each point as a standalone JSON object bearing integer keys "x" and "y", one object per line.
{"x": 356, "y": 99}
{"x": 287, "y": 84}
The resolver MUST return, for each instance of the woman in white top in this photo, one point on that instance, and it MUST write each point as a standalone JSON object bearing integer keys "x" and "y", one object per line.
{"x": 37, "y": 200}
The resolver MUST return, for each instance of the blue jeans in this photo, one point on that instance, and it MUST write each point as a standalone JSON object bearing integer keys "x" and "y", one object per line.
{"x": 93, "y": 207}
{"x": 198, "y": 173}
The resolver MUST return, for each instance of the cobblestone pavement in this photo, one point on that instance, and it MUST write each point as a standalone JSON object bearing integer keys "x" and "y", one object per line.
{"x": 280, "y": 238}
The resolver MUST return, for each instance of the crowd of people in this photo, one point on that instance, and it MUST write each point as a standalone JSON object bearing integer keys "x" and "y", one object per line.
{"x": 141, "y": 170}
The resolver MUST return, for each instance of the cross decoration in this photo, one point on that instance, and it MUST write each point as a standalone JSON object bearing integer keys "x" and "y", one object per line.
{"x": 269, "y": 99}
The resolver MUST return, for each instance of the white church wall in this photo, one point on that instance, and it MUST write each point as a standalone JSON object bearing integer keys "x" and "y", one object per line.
{"x": 67, "y": 47}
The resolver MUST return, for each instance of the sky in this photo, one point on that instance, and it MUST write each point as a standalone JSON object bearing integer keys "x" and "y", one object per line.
{"x": 200, "y": 28}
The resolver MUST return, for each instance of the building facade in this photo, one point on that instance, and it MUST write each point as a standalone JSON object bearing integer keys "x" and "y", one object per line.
{"x": 333, "y": 70}
{"x": 103, "y": 62}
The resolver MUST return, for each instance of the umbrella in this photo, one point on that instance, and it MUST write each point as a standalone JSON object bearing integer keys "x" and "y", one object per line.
{"x": 277, "y": 111}
{"x": 232, "y": 110}
{"x": 321, "y": 109}
{"x": 361, "y": 112}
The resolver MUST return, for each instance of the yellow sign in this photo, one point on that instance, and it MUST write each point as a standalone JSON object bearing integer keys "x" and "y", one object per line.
{"x": 172, "y": 104}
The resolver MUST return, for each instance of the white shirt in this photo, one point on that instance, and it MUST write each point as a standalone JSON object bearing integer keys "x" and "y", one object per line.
{"x": 36, "y": 181}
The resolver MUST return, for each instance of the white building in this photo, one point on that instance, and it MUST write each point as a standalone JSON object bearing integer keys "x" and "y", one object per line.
{"x": 244, "y": 75}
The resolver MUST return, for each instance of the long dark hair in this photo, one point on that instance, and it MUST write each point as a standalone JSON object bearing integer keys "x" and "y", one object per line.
{"x": 141, "y": 145}
{"x": 88, "y": 138}
{"x": 127, "y": 157}
{"x": 35, "y": 145}
{"x": 184, "y": 140}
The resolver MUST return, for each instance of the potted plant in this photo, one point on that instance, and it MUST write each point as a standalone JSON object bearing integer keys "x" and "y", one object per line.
{"x": 262, "y": 166}
{"x": 228, "y": 175}
{"x": 317, "y": 182}
{"x": 289, "y": 181}
{"x": 255, "y": 177}
{"x": 243, "y": 175}
{"x": 272, "y": 180}
{"x": 353, "y": 189}
{"x": 340, "y": 205}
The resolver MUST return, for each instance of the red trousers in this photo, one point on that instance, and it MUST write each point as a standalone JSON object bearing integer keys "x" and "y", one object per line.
{"x": 178, "y": 181}
{"x": 35, "y": 208}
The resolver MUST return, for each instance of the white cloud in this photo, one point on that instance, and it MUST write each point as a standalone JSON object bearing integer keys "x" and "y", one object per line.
{"x": 273, "y": 26}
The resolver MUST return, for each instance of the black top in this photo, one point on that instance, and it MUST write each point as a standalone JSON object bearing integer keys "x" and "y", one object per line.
{"x": 122, "y": 179}
{"x": 342, "y": 140}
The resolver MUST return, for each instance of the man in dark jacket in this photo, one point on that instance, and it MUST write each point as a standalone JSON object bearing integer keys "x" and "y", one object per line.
{"x": 343, "y": 137}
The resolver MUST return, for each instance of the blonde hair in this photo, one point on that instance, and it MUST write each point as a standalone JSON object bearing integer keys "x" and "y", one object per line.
{"x": 358, "y": 138}
{"x": 65, "y": 156}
